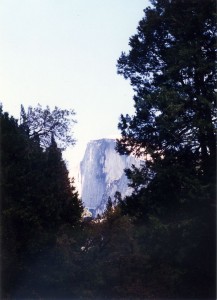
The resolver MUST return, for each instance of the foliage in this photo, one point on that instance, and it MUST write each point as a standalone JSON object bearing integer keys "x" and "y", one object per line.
{"x": 44, "y": 123}
{"x": 171, "y": 65}
{"x": 37, "y": 198}
{"x": 160, "y": 241}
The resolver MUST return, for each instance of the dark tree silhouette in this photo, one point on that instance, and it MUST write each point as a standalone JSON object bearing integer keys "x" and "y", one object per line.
{"x": 171, "y": 66}
{"x": 45, "y": 123}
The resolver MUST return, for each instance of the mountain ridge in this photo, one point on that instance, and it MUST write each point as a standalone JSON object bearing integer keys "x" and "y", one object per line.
{"x": 102, "y": 174}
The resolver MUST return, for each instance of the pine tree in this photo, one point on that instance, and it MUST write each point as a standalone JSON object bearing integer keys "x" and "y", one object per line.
{"x": 37, "y": 198}
{"x": 61, "y": 201}
{"x": 17, "y": 217}
{"x": 46, "y": 123}
{"x": 171, "y": 65}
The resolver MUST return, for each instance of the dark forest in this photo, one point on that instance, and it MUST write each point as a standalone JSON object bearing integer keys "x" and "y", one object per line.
{"x": 159, "y": 242}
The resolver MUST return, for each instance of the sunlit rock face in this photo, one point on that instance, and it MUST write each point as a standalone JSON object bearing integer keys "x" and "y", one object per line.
{"x": 102, "y": 174}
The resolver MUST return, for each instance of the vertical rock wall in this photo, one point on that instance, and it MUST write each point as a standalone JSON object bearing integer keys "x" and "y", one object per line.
{"x": 102, "y": 174}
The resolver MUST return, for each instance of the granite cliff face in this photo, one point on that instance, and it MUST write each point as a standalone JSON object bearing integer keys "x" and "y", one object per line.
{"x": 102, "y": 174}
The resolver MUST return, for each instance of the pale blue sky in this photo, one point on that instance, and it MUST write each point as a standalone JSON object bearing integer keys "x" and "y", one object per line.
{"x": 64, "y": 53}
